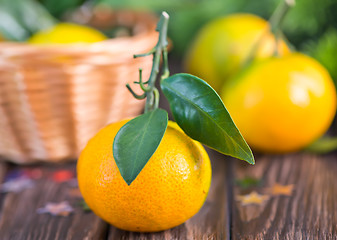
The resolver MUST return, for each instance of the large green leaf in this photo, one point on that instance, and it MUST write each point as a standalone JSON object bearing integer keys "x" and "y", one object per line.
{"x": 199, "y": 111}
{"x": 136, "y": 142}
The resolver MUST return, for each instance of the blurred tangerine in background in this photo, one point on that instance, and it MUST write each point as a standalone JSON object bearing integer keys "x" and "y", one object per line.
{"x": 223, "y": 46}
{"x": 67, "y": 33}
{"x": 282, "y": 104}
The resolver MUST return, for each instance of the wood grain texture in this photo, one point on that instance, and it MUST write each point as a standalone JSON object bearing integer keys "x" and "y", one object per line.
{"x": 3, "y": 170}
{"x": 19, "y": 219}
{"x": 311, "y": 211}
{"x": 211, "y": 222}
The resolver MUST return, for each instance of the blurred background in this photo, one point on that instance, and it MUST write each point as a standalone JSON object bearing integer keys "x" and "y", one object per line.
{"x": 310, "y": 27}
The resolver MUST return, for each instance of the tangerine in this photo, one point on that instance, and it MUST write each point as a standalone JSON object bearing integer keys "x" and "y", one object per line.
{"x": 282, "y": 104}
{"x": 65, "y": 33}
{"x": 222, "y": 47}
{"x": 170, "y": 189}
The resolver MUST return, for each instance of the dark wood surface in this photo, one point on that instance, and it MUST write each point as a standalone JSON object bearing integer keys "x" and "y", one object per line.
{"x": 310, "y": 212}
{"x": 19, "y": 218}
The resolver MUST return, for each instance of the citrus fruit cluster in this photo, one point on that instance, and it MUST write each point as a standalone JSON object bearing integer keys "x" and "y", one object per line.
{"x": 281, "y": 101}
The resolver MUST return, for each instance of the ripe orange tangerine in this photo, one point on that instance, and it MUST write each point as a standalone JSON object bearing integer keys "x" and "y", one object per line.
{"x": 170, "y": 189}
{"x": 282, "y": 104}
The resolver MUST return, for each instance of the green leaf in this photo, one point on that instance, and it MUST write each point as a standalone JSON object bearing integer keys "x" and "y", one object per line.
{"x": 199, "y": 111}
{"x": 84, "y": 206}
{"x": 248, "y": 182}
{"x": 136, "y": 142}
{"x": 323, "y": 145}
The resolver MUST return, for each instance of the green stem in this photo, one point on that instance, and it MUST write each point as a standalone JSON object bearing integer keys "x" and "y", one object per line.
{"x": 144, "y": 54}
{"x": 150, "y": 91}
{"x": 275, "y": 22}
{"x": 279, "y": 14}
{"x": 135, "y": 95}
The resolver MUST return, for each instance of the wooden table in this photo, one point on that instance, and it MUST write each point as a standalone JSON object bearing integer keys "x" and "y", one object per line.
{"x": 309, "y": 213}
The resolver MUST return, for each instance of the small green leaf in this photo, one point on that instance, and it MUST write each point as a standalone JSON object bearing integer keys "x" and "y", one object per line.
{"x": 136, "y": 142}
{"x": 84, "y": 206}
{"x": 199, "y": 111}
{"x": 248, "y": 182}
{"x": 323, "y": 145}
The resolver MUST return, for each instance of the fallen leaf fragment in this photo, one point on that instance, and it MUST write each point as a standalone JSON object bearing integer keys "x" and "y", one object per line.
{"x": 74, "y": 193}
{"x": 56, "y": 209}
{"x": 16, "y": 185}
{"x": 84, "y": 206}
{"x": 248, "y": 182}
{"x": 62, "y": 176}
{"x": 279, "y": 189}
{"x": 252, "y": 198}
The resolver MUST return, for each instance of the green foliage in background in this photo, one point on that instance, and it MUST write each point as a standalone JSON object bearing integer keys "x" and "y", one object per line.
{"x": 59, "y": 8}
{"x": 310, "y": 26}
{"x": 187, "y": 16}
{"x": 325, "y": 51}
{"x": 308, "y": 20}
{"x": 19, "y": 19}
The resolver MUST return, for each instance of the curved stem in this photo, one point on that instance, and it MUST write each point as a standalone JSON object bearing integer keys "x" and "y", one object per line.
{"x": 149, "y": 102}
{"x": 135, "y": 94}
{"x": 144, "y": 54}
{"x": 161, "y": 45}
{"x": 156, "y": 98}
{"x": 141, "y": 83}
{"x": 150, "y": 91}
{"x": 166, "y": 71}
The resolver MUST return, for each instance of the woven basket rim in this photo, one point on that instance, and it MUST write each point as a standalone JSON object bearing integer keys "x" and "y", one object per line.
{"x": 110, "y": 45}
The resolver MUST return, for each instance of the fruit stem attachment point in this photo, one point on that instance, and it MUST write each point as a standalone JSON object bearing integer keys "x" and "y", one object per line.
{"x": 151, "y": 93}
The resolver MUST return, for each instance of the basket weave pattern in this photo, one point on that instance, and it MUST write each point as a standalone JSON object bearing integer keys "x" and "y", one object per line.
{"x": 53, "y": 99}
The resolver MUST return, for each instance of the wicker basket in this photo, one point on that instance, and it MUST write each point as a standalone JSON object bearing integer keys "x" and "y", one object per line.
{"x": 53, "y": 99}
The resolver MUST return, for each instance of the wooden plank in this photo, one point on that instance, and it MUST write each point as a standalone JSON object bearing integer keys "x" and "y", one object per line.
{"x": 309, "y": 213}
{"x": 212, "y": 221}
{"x": 20, "y": 220}
{"x": 3, "y": 170}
